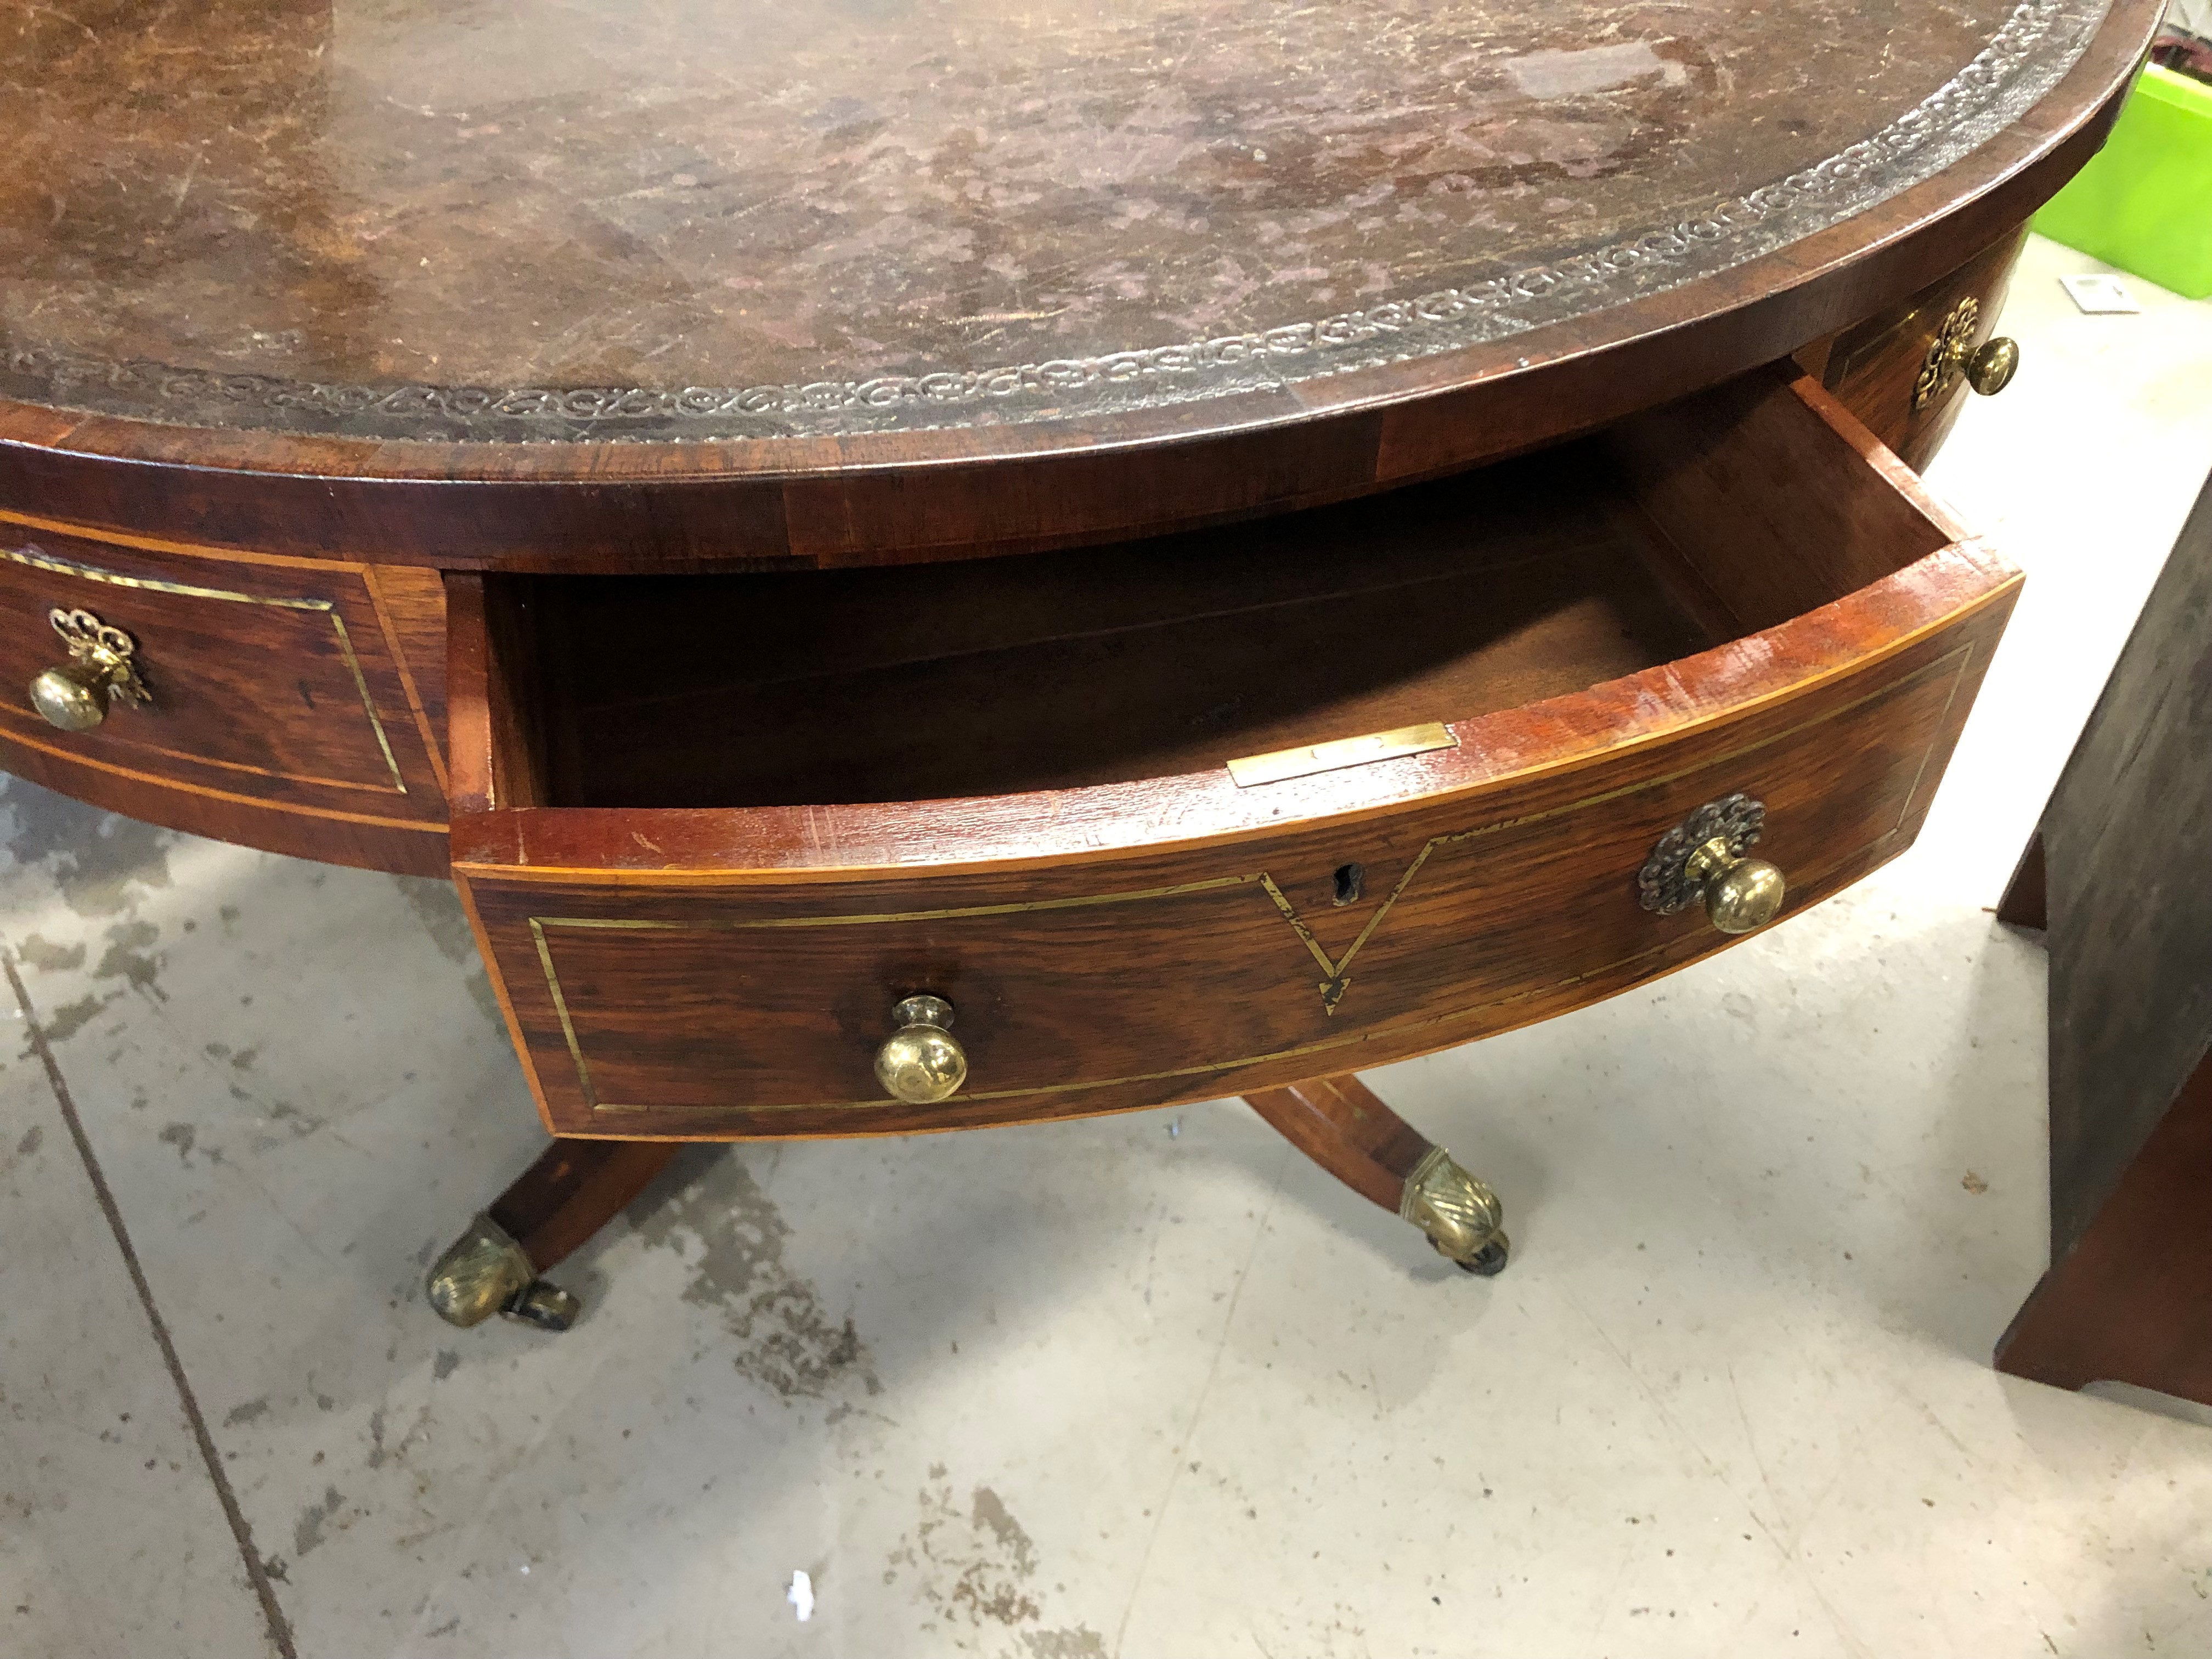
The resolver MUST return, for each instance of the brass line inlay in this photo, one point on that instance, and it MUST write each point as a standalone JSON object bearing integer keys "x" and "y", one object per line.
{"x": 381, "y": 605}
{"x": 1338, "y": 978}
{"x": 1204, "y": 1066}
{"x": 608, "y": 924}
{"x": 720, "y": 925}
{"x": 1927, "y": 754}
{"x": 1958, "y": 661}
{"x": 259, "y": 803}
{"x": 37, "y": 561}
{"x": 103, "y": 534}
{"x": 560, "y": 1007}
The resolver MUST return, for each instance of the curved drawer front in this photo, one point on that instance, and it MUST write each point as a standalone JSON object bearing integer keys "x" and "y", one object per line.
{"x": 1881, "y": 368}
{"x": 731, "y": 971}
{"x": 276, "y": 708}
{"x": 652, "y": 1003}
{"x": 1137, "y": 938}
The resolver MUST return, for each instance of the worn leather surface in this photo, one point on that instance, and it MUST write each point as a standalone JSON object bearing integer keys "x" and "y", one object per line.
{"x": 697, "y": 218}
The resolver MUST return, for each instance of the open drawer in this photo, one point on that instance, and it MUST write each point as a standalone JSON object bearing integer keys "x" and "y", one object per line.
{"x": 712, "y": 829}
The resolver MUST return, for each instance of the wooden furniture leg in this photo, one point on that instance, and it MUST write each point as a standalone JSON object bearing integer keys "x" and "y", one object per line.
{"x": 571, "y": 1192}
{"x": 2132, "y": 1301}
{"x": 1339, "y": 1123}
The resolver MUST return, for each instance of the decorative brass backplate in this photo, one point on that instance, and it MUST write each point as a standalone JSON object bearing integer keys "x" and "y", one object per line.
{"x": 1665, "y": 883}
{"x": 1988, "y": 369}
{"x": 1947, "y": 353}
{"x": 101, "y": 669}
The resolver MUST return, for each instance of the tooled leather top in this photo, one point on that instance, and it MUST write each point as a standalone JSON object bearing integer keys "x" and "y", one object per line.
{"x": 660, "y": 219}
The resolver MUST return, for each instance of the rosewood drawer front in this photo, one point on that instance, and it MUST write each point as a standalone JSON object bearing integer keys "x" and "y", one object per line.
{"x": 273, "y": 709}
{"x": 712, "y": 833}
{"x": 1891, "y": 370}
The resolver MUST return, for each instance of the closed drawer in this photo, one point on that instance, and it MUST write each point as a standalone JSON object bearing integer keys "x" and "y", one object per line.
{"x": 275, "y": 710}
{"x": 711, "y": 832}
{"x": 1875, "y": 367}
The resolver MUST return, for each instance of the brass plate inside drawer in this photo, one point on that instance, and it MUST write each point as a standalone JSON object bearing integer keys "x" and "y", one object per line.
{"x": 1249, "y": 769}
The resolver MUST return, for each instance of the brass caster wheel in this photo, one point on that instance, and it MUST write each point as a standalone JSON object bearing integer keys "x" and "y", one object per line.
{"x": 1460, "y": 1216}
{"x": 545, "y": 1305}
{"x": 484, "y": 1272}
{"x": 1490, "y": 1260}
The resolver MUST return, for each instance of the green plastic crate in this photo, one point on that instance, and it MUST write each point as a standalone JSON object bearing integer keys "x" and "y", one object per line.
{"x": 2144, "y": 203}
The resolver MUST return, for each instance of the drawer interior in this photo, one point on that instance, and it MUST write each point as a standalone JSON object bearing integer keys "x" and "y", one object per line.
{"x": 1720, "y": 516}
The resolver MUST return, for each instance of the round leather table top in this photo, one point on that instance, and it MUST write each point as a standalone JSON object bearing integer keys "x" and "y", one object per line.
{"x": 665, "y": 219}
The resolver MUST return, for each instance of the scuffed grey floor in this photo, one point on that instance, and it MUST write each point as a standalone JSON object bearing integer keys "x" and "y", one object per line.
{"x": 1148, "y": 1386}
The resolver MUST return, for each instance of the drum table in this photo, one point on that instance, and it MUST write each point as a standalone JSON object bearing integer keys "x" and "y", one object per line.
{"x": 935, "y": 564}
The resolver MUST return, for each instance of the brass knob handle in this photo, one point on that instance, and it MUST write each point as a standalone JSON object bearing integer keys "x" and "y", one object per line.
{"x": 1989, "y": 368}
{"x": 921, "y": 1063}
{"x": 1702, "y": 859}
{"x": 75, "y": 694}
{"x": 1741, "y": 894}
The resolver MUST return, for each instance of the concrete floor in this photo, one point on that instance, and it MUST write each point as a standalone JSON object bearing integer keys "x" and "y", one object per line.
{"x": 1150, "y": 1386}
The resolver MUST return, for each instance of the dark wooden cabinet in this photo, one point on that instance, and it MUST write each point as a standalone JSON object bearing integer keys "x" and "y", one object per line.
{"x": 2120, "y": 873}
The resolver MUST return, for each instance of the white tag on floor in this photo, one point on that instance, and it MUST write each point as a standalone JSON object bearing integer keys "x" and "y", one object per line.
{"x": 801, "y": 1596}
{"x": 2095, "y": 292}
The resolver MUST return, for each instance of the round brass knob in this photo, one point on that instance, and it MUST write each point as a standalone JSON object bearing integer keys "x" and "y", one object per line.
{"x": 1741, "y": 894}
{"x": 75, "y": 694}
{"x": 70, "y": 698}
{"x": 1701, "y": 862}
{"x": 921, "y": 1063}
{"x": 1991, "y": 368}
{"x": 1988, "y": 368}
